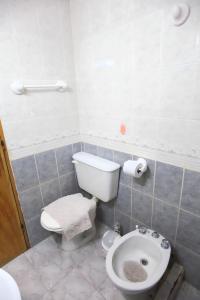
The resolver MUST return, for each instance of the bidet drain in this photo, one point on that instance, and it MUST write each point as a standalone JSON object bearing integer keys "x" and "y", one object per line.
{"x": 144, "y": 261}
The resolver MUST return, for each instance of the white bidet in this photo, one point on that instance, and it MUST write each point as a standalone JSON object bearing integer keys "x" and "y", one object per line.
{"x": 137, "y": 261}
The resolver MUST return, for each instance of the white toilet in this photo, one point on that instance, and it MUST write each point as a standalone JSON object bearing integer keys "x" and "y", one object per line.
{"x": 137, "y": 261}
{"x": 97, "y": 176}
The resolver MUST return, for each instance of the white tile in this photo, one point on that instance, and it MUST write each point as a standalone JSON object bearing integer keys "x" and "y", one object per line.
{"x": 139, "y": 69}
{"x": 179, "y": 43}
{"x": 36, "y": 47}
{"x": 177, "y": 91}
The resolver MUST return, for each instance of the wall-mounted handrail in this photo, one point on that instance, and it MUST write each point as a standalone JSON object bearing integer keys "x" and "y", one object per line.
{"x": 19, "y": 88}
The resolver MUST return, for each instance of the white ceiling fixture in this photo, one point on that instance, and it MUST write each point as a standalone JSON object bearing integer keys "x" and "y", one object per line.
{"x": 180, "y": 13}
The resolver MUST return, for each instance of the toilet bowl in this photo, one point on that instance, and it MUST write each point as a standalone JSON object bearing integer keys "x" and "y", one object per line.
{"x": 137, "y": 261}
{"x": 79, "y": 240}
{"x": 95, "y": 175}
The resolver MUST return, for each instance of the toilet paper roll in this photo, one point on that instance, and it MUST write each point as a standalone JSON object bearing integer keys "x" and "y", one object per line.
{"x": 135, "y": 168}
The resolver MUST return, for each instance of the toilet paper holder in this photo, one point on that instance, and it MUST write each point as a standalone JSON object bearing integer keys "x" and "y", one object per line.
{"x": 143, "y": 167}
{"x": 135, "y": 168}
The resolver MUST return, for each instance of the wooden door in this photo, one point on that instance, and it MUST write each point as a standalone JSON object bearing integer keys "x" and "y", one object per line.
{"x": 13, "y": 238}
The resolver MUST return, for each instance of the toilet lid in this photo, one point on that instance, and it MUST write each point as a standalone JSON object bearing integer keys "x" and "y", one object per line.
{"x": 49, "y": 222}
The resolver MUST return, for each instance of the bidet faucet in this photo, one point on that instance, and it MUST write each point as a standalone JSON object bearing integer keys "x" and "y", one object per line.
{"x": 142, "y": 229}
{"x": 155, "y": 234}
{"x": 165, "y": 244}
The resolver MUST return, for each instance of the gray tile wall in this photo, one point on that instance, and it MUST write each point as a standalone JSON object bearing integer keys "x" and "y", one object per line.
{"x": 40, "y": 180}
{"x": 166, "y": 198}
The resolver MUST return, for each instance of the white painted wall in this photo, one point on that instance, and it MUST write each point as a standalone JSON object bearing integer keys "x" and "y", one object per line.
{"x": 36, "y": 46}
{"x": 133, "y": 66}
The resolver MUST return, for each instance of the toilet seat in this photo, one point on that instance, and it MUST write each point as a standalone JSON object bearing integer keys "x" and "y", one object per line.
{"x": 49, "y": 223}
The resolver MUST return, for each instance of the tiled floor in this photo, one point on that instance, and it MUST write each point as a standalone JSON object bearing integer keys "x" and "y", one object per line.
{"x": 47, "y": 273}
{"x": 188, "y": 292}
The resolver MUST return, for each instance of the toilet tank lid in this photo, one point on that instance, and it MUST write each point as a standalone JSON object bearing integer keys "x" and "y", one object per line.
{"x": 96, "y": 161}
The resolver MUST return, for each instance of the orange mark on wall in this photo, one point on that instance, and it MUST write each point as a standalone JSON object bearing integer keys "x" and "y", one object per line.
{"x": 123, "y": 129}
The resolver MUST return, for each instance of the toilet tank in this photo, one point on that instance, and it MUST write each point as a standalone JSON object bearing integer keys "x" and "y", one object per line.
{"x": 96, "y": 175}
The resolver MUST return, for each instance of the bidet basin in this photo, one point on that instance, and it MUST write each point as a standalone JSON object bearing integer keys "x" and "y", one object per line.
{"x": 8, "y": 287}
{"x": 138, "y": 260}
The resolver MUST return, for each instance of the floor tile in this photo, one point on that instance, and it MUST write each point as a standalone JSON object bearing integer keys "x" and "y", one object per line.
{"x": 27, "y": 278}
{"x": 18, "y": 267}
{"x": 47, "y": 252}
{"x": 110, "y": 292}
{"x": 74, "y": 286}
{"x": 46, "y": 272}
{"x": 188, "y": 292}
{"x": 93, "y": 269}
{"x": 48, "y": 296}
{"x": 97, "y": 296}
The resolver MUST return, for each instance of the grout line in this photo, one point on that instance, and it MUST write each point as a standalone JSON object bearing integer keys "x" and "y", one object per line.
{"x": 72, "y": 149}
{"x": 188, "y": 249}
{"x": 30, "y": 188}
{"x": 34, "y": 156}
{"x": 132, "y": 203}
{"x": 179, "y": 207}
{"x": 76, "y": 179}
{"x": 190, "y": 213}
{"x": 153, "y": 201}
{"x": 114, "y": 158}
{"x": 134, "y": 219}
{"x": 132, "y": 197}
{"x": 49, "y": 181}
{"x": 123, "y": 213}
{"x": 58, "y": 172}
{"x": 112, "y": 154}
{"x": 38, "y": 179}
{"x": 114, "y": 213}
{"x": 69, "y": 173}
{"x": 136, "y": 190}
{"x": 154, "y": 177}
{"x": 34, "y": 186}
{"x": 166, "y": 203}
{"x": 125, "y": 185}
{"x": 141, "y": 192}
{"x": 97, "y": 151}
{"x": 131, "y": 218}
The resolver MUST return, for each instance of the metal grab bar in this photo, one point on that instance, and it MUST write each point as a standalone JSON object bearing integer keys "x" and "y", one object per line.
{"x": 19, "y": 88}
